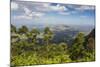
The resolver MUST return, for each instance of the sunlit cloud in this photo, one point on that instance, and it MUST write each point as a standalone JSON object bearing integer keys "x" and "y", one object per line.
{"x": 50, "y": 12}
{"x": 48, "y": 7}
{"x": 37, "y": 6}
{"x": 27, "y": 13}
{"x": 58, "y": 8}
{"x": 31, "y": 13}
{"x": 14, "y": 6}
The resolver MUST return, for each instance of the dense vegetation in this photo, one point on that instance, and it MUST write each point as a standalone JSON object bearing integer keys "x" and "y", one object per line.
{"x": 28, "y": 47}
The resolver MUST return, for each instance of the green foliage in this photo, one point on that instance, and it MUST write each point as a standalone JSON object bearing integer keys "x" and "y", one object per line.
{"x": 79, "y": 38}
{"x": 23, "y": 29}
{"x": 78, "y": 51}
{"x": 13, "y": 28}
{"x": 41, "y": 55}
{"x": 33, "y": 35}
{"x": 48, "y": 35}
{"x": 34, "y": 31}
{"x": 77, "y": 47}
{"x": 24, "y": 52}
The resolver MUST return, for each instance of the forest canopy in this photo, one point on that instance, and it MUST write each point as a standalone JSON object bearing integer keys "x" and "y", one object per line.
{"x": 29, "y": 47}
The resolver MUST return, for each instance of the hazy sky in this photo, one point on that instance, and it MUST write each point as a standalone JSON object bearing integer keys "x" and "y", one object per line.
{"x": 51, "y": 13}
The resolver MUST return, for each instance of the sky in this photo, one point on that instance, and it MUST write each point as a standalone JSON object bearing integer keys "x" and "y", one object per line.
{"x": 23, "y": 12}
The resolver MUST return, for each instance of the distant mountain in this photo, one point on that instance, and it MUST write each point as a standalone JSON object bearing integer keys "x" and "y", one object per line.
{"x": 59, "y": 28}
{"x": 64, "y": 33}
{"x": 64, "y": 36}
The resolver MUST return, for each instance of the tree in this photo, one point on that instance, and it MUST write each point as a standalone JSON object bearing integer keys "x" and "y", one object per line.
{"x": 13, "y": 28}
{"x": 63, "y": 46}
{"x": 23, "y": 30}
{"x": 48, "y": 35}
{"x": 34, "y": 33}
{"x": 79, "y": 38}
{"x": 77, "y": 48}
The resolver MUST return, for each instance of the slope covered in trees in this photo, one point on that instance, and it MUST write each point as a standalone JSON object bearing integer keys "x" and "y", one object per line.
{"x": 31, "y": 47}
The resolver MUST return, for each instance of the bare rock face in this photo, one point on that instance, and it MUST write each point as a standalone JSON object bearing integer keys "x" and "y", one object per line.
{"x": 91, "y": 39}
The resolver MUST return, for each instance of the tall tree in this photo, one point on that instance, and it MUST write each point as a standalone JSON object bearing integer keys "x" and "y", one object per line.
{"x": 13, "y": 28}
{"x": 77, "y": 48}
{"x": 23, "y": 30}
{"x": 34, "y": 33}
{"x": 48, "y": 35}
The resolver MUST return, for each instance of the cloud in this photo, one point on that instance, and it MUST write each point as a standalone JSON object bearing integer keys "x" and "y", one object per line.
{"x": 64, "y": 13}
{"x": 30, "y": 10}
{"x": 22, "y": 17}
{"x": 38, "y": 14}
{"x": 82, "y": 8}
{"x": 28, "y": 13}
{"x": 26, "y": 10}
{"x": 58, "y": 8}
{"x": 14, "y": 6}
{"x": 79, "y": 9}
{"x": 47, "y": 7}
{"x": 33, "y": 15}
{"x": 36, "y": 9}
